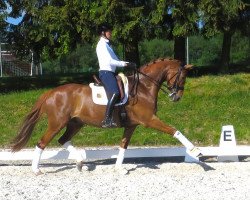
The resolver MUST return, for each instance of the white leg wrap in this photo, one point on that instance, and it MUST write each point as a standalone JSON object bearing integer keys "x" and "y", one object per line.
{"x": 35, "y": 162}
{"x": 74, "y": 151}
{"x": 120, "y": 158}
{"x": 183, "y": 140}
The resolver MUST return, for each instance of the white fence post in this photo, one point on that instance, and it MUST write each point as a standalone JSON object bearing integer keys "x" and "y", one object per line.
{"x": 1, "y": 66}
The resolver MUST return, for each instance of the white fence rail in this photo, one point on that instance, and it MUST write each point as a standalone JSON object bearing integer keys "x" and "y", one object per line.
{"x": 107, "y": 153}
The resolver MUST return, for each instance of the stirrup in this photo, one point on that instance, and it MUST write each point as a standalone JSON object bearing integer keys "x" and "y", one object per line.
{"x": 108, "y": 124}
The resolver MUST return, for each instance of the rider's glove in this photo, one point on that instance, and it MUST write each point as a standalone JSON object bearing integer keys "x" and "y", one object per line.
{"x": 131, "y": 64}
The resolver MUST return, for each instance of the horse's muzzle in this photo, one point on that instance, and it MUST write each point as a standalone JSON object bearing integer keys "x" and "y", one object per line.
{"x": 174, "y": 97}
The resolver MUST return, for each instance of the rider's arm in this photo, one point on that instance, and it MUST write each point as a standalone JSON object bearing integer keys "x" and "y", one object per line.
{"x": 107, "y": 57}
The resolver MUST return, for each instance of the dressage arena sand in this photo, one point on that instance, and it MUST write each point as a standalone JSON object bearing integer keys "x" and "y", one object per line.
{"x": 147, "y": 179}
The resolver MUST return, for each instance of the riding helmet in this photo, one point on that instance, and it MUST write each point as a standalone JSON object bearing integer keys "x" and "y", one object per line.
{"x": 104, "y": 28}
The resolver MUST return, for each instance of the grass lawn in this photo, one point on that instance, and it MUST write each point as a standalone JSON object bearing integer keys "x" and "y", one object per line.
{"x": 209, "y": 102}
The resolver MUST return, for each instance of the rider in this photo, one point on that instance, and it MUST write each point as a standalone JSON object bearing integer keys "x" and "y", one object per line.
{"x": 108, "y": 62}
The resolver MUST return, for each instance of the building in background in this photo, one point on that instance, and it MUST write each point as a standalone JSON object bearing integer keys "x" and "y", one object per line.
{"x": 10, "y": 65}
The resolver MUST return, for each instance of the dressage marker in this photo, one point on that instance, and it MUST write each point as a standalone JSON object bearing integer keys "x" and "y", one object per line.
{"x": 227, "y": 151}
{"x": 228, "y": 145}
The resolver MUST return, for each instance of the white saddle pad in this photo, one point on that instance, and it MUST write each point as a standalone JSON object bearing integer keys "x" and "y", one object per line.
{"x": 99, "y": 95}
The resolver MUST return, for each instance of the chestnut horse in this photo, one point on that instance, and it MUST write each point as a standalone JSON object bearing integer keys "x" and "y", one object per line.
{"x": 71, "y": 106}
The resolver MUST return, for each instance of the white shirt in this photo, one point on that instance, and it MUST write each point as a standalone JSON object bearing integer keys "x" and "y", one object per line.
{"x": 106, "y": 56}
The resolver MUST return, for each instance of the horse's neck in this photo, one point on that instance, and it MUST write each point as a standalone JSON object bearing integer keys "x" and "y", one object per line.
{"x": 148, "y": 83}
{"x": 155, "y": 76}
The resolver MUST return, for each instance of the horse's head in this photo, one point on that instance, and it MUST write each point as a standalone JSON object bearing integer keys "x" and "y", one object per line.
{"x": 169, "y": 70}
{"x": 175, "y": 78}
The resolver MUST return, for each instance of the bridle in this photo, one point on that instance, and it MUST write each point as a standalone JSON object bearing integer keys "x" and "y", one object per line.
{"x": 174, "y": 88}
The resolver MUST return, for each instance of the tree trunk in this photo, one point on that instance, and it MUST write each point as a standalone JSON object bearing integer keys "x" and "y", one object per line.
{"x": 179, "y": 49}
{"x": 225, "y": 52}
{"x": 132, "y": 52}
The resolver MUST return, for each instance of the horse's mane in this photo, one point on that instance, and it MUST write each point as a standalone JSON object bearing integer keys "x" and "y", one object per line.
{"x": 158, "y": 60}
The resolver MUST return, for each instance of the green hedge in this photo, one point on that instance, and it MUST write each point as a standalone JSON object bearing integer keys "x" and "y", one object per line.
{"x": 8, "y": 84}
{"x": 26, "y": 83}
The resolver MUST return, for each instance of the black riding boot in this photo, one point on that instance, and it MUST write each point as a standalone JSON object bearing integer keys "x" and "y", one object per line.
{"x": 108, "y": 122}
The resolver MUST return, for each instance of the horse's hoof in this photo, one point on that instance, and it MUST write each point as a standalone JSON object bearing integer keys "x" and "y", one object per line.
{"x": 121, "y": 170}
{"x": 81, "y": 167}
{"x": 38, "y": 173}
{"x": 196, "y": 152}
{"x": 85, "y": 168}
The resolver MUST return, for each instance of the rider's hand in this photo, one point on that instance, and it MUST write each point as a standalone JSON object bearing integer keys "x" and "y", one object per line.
{"x": 131, "y": 64}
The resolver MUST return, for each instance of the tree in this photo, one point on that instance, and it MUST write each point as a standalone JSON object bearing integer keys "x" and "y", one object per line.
{"x": 129, "y": 20}
{"x": 178, "y": 19}
{"x": 50, "y": 27}
{"x": 226, "y": 17}
{"x": 25, "y": 35}
{"x": 53, "y": 28}
{"x": 3, "y": 23}
{"x": 156, "y": 48}
{"x": 56, "y": 27}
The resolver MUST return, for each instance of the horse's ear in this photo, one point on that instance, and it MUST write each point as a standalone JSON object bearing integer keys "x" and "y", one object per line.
{"x": 188, "y": 67}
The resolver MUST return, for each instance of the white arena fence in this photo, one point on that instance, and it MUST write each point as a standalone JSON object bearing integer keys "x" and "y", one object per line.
{"x": 108, "y": 153}
{"x": 227, "y": 151}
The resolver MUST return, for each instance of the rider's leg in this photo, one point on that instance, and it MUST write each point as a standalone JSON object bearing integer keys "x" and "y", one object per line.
{"x": 111, "y": 87}
{"x": 108, "y": 121}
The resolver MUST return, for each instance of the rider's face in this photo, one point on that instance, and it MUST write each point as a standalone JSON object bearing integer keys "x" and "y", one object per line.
{"x": 108, "y": 34}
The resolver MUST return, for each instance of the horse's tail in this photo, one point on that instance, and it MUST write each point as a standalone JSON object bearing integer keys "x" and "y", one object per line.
{"x": 28, "y": 125}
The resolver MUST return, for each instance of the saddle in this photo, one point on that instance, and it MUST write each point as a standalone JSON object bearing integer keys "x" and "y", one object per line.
{"x": 119, "y": 82}
{"x": 98, "y": 92}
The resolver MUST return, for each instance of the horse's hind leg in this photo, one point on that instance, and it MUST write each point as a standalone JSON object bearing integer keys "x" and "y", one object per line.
{"x": 53, "y": 129}
{"x": 73, "y": 126}
{"x": 47, "y": 137}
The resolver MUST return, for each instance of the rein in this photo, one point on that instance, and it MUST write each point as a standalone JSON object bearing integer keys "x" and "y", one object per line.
{"x": 133, "y": 91}
{"x": 154, "y": 81}
{"x": 174, "y": 87}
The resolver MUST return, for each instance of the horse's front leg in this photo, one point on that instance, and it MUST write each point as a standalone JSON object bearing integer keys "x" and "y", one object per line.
{"x": 128, "y": 131}
{"x": 156, "y": 123}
